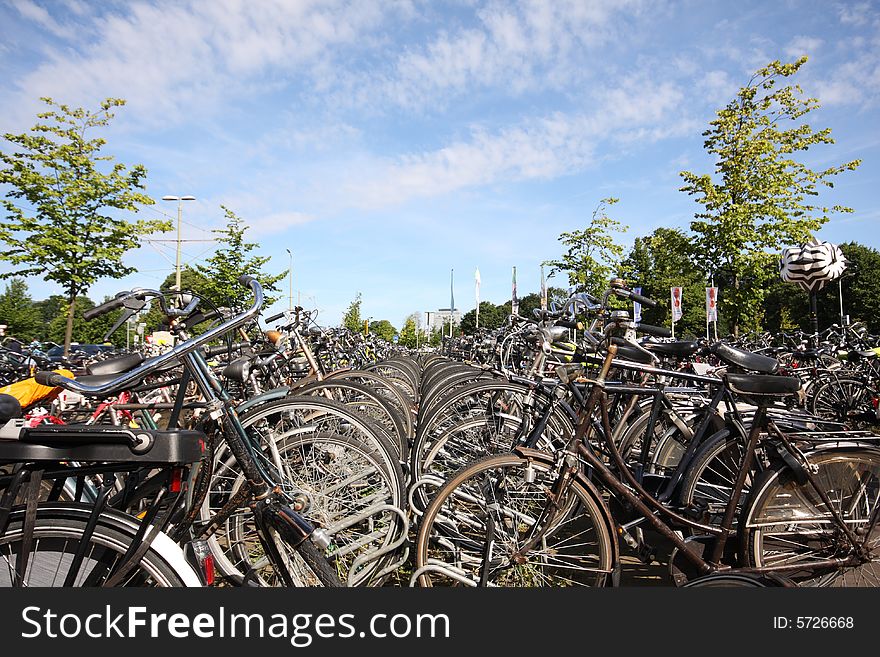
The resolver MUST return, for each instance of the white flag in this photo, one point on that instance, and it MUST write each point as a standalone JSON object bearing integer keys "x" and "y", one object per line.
{"x": 675, "y": 293}
{"x": 711, "y": 304}
{"x": 477, "y": 285}
{"x": 637, "y": 307}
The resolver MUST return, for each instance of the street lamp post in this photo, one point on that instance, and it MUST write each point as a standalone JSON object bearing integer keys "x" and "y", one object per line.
{"x": 180, "y": 200}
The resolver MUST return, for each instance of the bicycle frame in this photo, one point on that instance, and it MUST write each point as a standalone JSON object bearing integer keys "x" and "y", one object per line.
{"x": 627, "y": 488}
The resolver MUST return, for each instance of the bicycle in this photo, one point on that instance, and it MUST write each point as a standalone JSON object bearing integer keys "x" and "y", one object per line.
{"x": 530, "y": 517}
{"x": 282, "y": 533}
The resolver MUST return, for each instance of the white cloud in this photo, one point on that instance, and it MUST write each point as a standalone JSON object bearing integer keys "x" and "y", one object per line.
{"x": 855, "y": 14}
{"x": 521, "y": 47}
{"x": 173, "y": 61}
{"x": 637, "y": 112}
{"x": 803, "y": 45}
{"x": 34, "y": 12}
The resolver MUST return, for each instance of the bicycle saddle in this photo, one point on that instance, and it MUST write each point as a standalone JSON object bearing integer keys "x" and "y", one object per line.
{"x": 745, "y": 359}
{"x": 762, "y": 384}
{"x": 679, "y": 349}
{"x": 116, "y": 365}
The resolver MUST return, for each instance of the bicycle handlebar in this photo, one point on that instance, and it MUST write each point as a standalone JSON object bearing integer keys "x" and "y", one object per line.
{"x": 137, "y": 374}
{"x": 106, "y": 307}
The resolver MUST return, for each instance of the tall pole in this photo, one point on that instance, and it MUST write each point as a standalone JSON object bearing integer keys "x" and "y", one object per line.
{"x": 290, "y": 306}
{"x": 177, "y": 259}
{"x": 180, "y": 200}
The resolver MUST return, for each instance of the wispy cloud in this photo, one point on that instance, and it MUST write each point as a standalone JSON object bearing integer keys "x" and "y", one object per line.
{"x": 39, "y": 15}
{"x": 637, "y": 111}
{"x": 173, "y": 61}
{"x": 521, "y": 47}
{"x": 803, "y": 45}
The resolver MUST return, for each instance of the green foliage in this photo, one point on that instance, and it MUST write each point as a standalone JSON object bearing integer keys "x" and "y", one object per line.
{"x": 18, "y": 312}
{"x": 352, "y": 318}
{"x": 760, "y": 197}
{"x": 436, "y": 337}
{"x": 91, "y": 331}
{"x": 659, "y": 262}
{"x": 190, "y": 281}
{"x": 409, "y": 333}
{"x": 63, "y": 212}
{"x": 491, "y": 317}
{"x": 593, "y": 256}
{"x": 230, "y": 261}
{"x": 861, "y": 288}
{"x": 384, "y": 329}
{"x": 788, "y": 305}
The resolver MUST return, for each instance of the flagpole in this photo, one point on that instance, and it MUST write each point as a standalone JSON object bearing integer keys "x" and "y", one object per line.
{"x": 451, "y": 299}
{"x": 477, "y": 282}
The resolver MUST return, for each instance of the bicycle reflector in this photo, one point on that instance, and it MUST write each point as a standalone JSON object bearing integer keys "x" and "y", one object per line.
{"x": 176, "y": 480}
{"x": 200, "y": 558}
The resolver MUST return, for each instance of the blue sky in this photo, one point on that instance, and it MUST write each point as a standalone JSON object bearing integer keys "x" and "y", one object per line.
{"x": 385, "y": 143}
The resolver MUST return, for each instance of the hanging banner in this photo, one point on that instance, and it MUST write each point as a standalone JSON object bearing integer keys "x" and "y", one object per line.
{"x": 514, "y": 302}
{"x": 711, "y": 304}
{"x": 637, "y": 307}
{"x": 675, "y": 293}
{"x": 543, "y": 290}
{"x": 451, "y": 292}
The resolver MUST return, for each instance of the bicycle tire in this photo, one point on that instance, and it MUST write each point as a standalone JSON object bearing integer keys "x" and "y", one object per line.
{"x": 58, "y": 532}
{"x": 455, "y": 537}
{"x": 786, "y": 523}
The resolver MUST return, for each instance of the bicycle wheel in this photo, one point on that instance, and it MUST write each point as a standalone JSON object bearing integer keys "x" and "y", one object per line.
{"x": 788, "y": 525}
{"x": 846, "y": 400}
{"x": 730, "y": 580}
{"x": 708, "y": 482}
{"x": 57, "y": 537}
{"x": 367, "y": 401}
{"x": 334, "y": 481}
{"x": 483, "y": 515}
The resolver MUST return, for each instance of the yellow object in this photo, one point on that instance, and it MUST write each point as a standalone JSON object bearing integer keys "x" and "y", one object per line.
{"x": 29, "y": 392}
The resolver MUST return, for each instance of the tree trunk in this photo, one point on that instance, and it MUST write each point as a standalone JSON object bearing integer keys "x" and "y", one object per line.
{"x": 68, "y": 332}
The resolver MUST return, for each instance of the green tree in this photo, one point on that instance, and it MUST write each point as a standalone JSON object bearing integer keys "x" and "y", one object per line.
{"x": 593, "y": 256}
{"x": 659, "y": 262}
{"x": 352, "y": 318}
{"x": 87, "y": 332}
{"x": 19, "y": 313}
{"x": 190, "y": 281}
{"x": 760, "y": 196}
{"x": 384, "y": 329}
{"x": 49, "y": 309}
{"x": 408, "y": 334}
{"x": 69, "y": 233}
{"x": 230, "y": 261}
{"x": 491, "y": 317}
{"x": 861, "y": 288}
{"x": 788, "y": 305}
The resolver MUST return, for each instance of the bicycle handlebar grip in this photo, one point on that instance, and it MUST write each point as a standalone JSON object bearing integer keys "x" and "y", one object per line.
{"x": 274, "y": 317}
{"x": 105, "y": 307}
{"x": 567, "y": 323}
{"x": 223, "y": 348}
{"x": 645, "y": 301}
{"x": 246, "y": 280}
{"x": 656, "y": 331}
{"x": 49, "y": 379}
